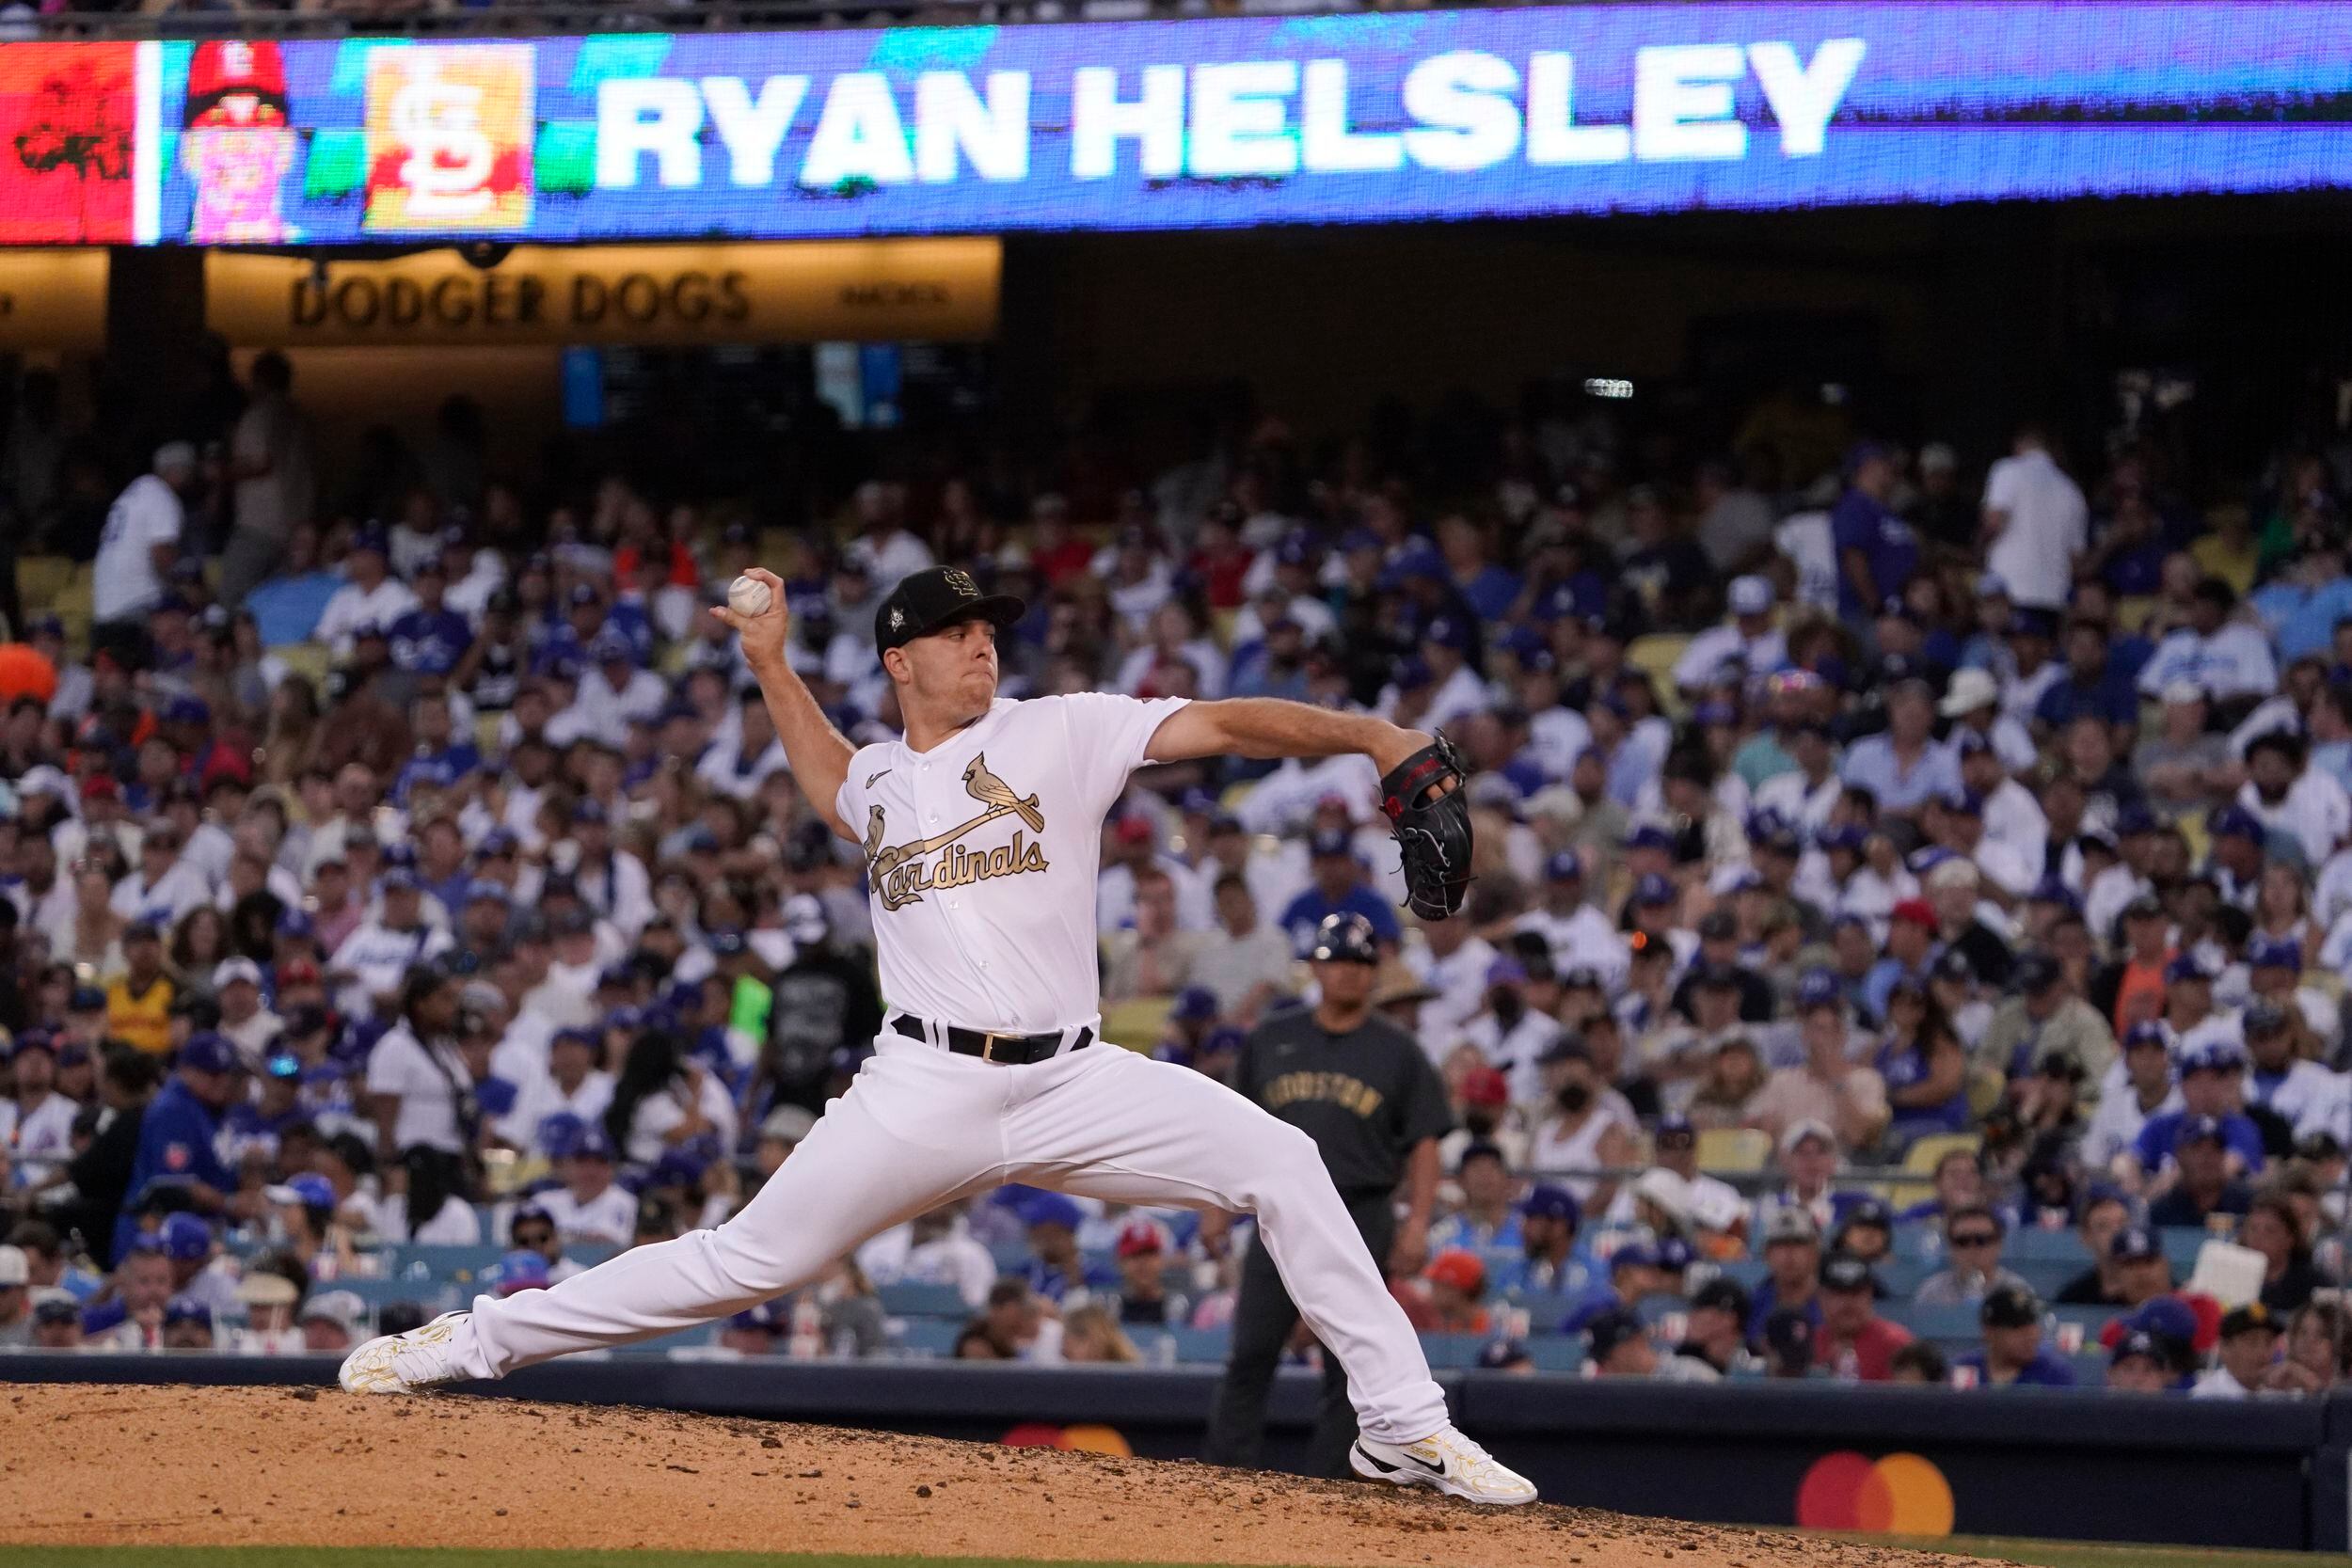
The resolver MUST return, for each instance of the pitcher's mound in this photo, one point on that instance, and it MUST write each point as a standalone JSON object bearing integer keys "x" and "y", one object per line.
{"x": 113, "y": 1463}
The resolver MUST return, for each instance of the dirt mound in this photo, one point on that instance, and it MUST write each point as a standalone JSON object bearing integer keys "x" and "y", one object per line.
{"x": 99, "y": 1463}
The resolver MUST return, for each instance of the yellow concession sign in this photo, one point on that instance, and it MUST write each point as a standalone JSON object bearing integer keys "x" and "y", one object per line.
{"x": 937, "y": 291}
{"x": 53, "y": 299}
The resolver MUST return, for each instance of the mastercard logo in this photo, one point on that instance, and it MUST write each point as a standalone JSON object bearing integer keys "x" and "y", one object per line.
{"x": 1083, "y": 1438}
{"x": 1900, "y": 1495}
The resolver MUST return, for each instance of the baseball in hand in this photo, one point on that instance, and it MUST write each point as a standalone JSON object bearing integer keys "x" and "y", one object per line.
{"x": 748, "y": 597}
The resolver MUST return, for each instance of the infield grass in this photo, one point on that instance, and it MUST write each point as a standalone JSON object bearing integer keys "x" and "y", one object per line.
{"x": 2036, "y": 1554}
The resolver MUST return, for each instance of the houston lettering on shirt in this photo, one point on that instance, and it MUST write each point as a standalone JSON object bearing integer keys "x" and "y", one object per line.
{"x": 1352, "y": 1094}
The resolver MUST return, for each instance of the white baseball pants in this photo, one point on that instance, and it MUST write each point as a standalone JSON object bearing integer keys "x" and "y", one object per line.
{"x": 921, "y": 1125}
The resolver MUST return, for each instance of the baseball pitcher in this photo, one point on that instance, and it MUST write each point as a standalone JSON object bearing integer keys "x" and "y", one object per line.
{"x": 981, "y": 830}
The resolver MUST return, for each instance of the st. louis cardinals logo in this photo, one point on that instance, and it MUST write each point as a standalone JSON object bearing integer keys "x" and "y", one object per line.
{"x": 903, "y": 874}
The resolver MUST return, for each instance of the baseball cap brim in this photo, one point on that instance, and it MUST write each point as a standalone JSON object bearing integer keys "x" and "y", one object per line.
{"x": 998, "y": 610}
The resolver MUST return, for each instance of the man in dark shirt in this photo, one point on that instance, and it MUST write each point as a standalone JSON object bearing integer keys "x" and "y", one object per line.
{"x": 101, "y": 1174}
{"x": 1364, "y": 1090}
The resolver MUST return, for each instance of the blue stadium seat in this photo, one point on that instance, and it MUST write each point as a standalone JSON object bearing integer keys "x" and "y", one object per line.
{"x": 1933, "y": 1323}
{"x": 920, "y": 1299}
{"x": 1557, "y": 1353}
{"x": 1201, "y": 1345}
{"x": 1453, "y": 1351}
{"x": 928, "y": 1336}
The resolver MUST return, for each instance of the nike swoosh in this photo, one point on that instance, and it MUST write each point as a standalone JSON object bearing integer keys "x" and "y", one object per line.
{"x": 1381, "y": 1465}
{"x": 872, "y": 777}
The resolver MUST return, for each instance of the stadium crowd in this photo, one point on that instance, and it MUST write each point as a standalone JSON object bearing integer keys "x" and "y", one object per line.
{"x": 401, "y": 860}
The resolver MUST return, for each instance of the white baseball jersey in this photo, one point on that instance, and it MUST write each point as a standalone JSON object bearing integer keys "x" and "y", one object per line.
{"x": 982, "y": 853}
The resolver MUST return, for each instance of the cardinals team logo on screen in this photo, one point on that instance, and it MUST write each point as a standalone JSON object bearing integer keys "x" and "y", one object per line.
{"x": 903, "y": 874}
{"x": 449, "y": 138}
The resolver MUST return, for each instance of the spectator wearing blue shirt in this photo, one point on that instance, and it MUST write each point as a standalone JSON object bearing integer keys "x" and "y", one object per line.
{"x": 1489, "y": 588}
{"x": 2304, "y": 603}
{"x": 1549, "y": 1217}
{"x": 430, "y": 639}
{"x": 1903, "y": 768}
{"x": 178, "y": 1134}
{"x": 2012, "y": 1354}
{"x": 287, "y": 607}
{"x": 1911, "y": 951}
{"x": 1633, "y": 1273}
{"x": 1338, "y": 888}
{"x": 2212, "y": 1077}
{"x": 2092, "y": 687}
{"x": 1057, "y": 1267}
{"x": 441, "y": 758}
{"x": 1487, "y": 1218}
{"x": 2203, "y": 1150}
{"x": 1877, "y": 551}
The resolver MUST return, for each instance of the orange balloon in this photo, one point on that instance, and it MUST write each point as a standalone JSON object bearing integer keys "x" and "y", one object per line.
{"x": 25, "y": 673}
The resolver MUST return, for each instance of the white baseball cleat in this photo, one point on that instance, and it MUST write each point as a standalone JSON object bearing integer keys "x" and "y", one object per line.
{"x": 1447, "y": 1460}
{"x": 409, "y": 1363}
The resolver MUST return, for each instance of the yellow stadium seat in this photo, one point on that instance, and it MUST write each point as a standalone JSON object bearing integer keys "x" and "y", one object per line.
{"x": 1921, "y": 1160}
{"x": 1137, "y": 1023}
{"x": 308, "y": 660}
{"x": 2132, "y": 613}
{"x": 1735, "y": 1150}
{"x": 2193, "y": 834}
{"x": 40, "y": 578}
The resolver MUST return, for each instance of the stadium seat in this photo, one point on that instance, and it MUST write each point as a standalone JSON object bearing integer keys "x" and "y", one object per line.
{"x": 1656, "y": 655}
{"x": 1735, "y": 1150}
{"x": 1557, "y": 1353}
{"x": 1200, "y": 1346}
{"x": 1136, "y": 1023}
{"x": 1920, "y": 1159}
{"x": 1451, "y": 1352}
{"x": 922, "y": 1299}
{"x": 928, "y": 1336}
{"x": 309, "y": 661}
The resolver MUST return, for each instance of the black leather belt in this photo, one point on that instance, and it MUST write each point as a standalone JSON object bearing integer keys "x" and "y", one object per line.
{"x": 1003, "y": 1050}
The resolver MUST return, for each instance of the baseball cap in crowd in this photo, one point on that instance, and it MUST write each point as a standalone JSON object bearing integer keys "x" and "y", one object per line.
{"x": 186, "y": 1310}
{"x": 2010, "y": 1306}
{"x": 229, "y": 972}
{"x": 267, "y": 1290}
{"x": 2134, "y": 1243}
{"x": 1970, "y": 691}
{"x": 1550, "y": 1202}
{"x": 1041, "y": 1208}
{"x": 1346, "y": 938}
{"x": 1195, "y": 1005}
{"x": 310, "y": 1189}
{"x": 1566, "y": 865}
{"x": 1847, "y": 1276}
{"x": 1502, "y": 1355}
{"x": 1140, "y": 1238}
{"x": 933, "y": 599}
{"x": 1789, "y": 1223}
{"x": 2037, "y": 970}
{"x": 1653, "y": 891}
{"x": 1723, "y": 1294}
{"x": 1486, "y": 1087}
{"x": 1459, "y": 1268}
{"x": 2218, "y": 1056}
{"x": 1750, "y": 596}
{"x": 1819, "y": 989}
{"x": 343, "y": 1308}
{"x": 1915, "y": 912}
{"x": 1606, "y": 1331}
{"x": 1806, "y": 1127}
{"x": 592, "y": 1143}
{"x": 186, "y": 1237}
{"x": 2199, "y": 1130}
{"x": 2186, "y": 967}
{"x": 2264, "y": 1017}
{"x": 2252, "y": 1318}
{"x": 2146, "y": 1032}
{"x": 1675, "y": 1131}
{"x": 2235, "y": 821}
{"x": 1649, "y": 835}
{"x": 208, "y": 1051}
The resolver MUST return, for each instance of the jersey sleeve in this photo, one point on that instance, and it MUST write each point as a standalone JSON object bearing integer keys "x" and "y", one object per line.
{"x": 1425, "y": 1113}
{"x": 1106, "y": 737}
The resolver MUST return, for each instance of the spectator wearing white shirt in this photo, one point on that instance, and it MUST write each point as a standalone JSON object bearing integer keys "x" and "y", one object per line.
{"x": 1454, "y": 688}
{"x": 739, "y": 768}
{"x": 1747, "y": 640}
{"x": 2289, "y": 798}
{"x": 1577, "y": 933}
{"x": 369, "y": 596}
{"x": 614, "y": 692}
{"x": 1973, "y": 703}
{"x": 2036, "y": 525}
{"x": 885, "y": 549}
{"x": 166, "y": 885}
{"x": 385, "y": 945}
{"x": 419, "y": 1089}
{"x": 139, "y": 543}
{"x": 588, "y": 1209}
{"x": 2014, "y": 819}
{"x": 2227, "y": 659}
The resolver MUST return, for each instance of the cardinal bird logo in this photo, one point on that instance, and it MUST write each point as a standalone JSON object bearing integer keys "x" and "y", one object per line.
{"x": 989, "y": 789}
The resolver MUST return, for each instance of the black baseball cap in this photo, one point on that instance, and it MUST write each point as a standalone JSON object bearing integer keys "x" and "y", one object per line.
{"x": 1724, "y": 1295}
{"x": 1847, "y": 1275}
{"x": 934, "y": 599}
{"x": 2010, "y": 1306}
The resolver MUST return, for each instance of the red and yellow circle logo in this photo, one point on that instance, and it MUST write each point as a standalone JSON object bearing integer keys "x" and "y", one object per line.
{"x": 1085, "y": 1438}
{"x": 1900, "y": 1495}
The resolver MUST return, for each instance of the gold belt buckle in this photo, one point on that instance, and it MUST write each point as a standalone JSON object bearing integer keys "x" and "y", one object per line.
{"x": 988, "y": 1045}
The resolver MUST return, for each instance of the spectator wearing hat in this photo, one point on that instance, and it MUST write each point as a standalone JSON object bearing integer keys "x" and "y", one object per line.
{"x": 1452, "y": 1296}
{"x": 197, "y": 1274}
{"x": 249, "y": 1025}
{"x": 2012, "y": 1354}
{"x": 2295, "y": 1094}
{"x": 1619, "y": 1346}
{"x": 589, "y": 1209}
{"x": 1143, "y": 1253}
{"x": 1911, "y": 951}
{"x": 1855, "y": 1345}
{"x": 2250, "y": 1342}
{"x": 1973, "y": 1235}
{"x": 36, "y": 1121}
{"x": 1579, "y": 935}
{"x": 370, "y": 597}
{"x": 1715, "y": 1216}
{"x": 2184, "y": 766}
{"x": 2212, "y": 1084}
{"x": 2142, "y": 1363}
{"x": 178, "y": 1133}
{"x": 2202, "y": 1183}
{"x": 1056, "y": 1271}
{"x": 1973, "y": 703}
{"x": 938, "y": 1249}
{"x": 1792, "y": 1263}
{"x": 1715, "y": 1332}
{"x": 130, "y": 1316}
{"x": 270, "y": 1297}
{"x": 2106, "y": 1215}
{"x": 1552, "y": 1275}
{"x": 139, "y": 1000}
{"x": 2289, "y": 797}
{"x": 1338, "y": 887}
{"x": 1747, "y": 643}
{"x": 2044, "y": 1020}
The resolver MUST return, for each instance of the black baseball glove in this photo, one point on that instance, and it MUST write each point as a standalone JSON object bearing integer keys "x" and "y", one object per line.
{"x": 1429, "y": 813}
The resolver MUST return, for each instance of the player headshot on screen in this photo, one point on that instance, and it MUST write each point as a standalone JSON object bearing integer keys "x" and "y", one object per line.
{"x": 240, "y": 144}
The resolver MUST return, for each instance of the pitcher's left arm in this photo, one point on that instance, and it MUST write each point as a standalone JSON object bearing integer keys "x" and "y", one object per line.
{"x": 1271, "y": 727}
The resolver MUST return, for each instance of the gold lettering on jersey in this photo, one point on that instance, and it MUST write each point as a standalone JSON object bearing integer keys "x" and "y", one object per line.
{"x": 902, "y": 874}
{"x": 1351, "y": 1094}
